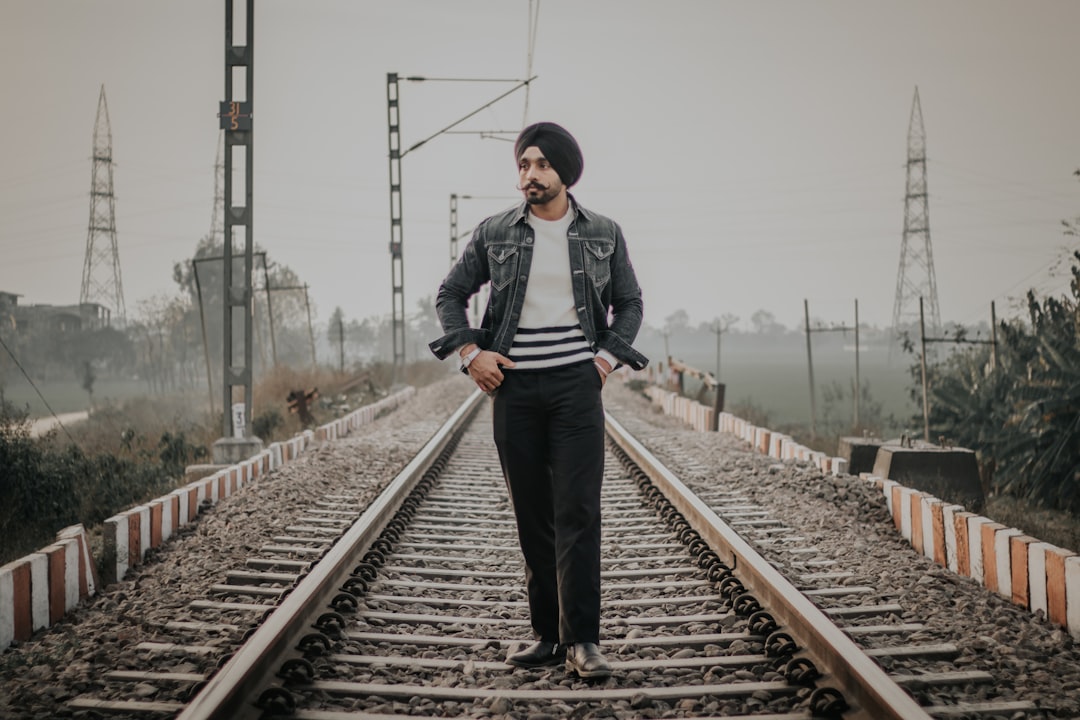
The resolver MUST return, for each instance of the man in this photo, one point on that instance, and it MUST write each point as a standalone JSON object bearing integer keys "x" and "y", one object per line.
{"x": 544, "y": 350}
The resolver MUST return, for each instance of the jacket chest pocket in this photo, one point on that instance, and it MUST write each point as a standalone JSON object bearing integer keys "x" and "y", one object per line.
{"x": 598, "y": 261}
{"x": 502, "y": 261}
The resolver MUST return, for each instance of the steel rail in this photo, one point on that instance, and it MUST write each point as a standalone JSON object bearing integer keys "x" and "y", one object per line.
{"x": 231, "y": 693}
{"x": 870, "y": 692}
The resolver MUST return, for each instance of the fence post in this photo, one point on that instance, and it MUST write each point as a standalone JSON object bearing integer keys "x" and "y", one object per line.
{"x": 718, "y": 407}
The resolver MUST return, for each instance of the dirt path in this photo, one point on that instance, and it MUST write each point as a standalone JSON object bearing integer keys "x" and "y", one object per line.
{"x": 40, "y": 426}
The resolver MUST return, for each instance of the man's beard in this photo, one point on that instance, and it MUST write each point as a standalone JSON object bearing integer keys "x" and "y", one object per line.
{"x": 545, "y": 196}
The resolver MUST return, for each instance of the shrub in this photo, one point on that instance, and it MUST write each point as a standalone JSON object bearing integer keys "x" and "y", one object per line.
{"x": 1022, "y": 417}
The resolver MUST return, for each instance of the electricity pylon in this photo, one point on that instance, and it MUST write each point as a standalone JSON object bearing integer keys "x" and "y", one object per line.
{"x": 101, "y": 268}
{"x": 217, "y": 216}
{"x": 915, "y": 277}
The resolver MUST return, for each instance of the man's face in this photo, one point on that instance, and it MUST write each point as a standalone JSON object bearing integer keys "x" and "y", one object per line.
{"x": 537, "y": 179}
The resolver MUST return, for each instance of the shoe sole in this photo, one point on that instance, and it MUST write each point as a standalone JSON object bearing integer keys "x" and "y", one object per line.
{"x": 555, "y": 660}
{"x": 587, "y": 674}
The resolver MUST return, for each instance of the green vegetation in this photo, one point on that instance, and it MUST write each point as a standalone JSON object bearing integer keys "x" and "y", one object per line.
{"x": 130, "y": 452}
{"x": 1023, "y": 416}
{"x": 52, "y": 482}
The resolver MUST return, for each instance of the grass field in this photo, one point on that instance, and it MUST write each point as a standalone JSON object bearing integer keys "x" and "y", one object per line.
{"x": 778, "y": 384}
{"x": 65, "y": 396}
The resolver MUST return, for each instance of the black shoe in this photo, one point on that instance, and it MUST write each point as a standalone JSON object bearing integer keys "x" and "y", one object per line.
{"x": 586, "y": 660}
{"x": 539, "y": 655}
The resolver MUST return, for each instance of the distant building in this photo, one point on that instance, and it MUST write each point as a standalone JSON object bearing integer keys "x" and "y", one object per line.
{"x": 60, "y": 319}
{"x": 8, "y": 303}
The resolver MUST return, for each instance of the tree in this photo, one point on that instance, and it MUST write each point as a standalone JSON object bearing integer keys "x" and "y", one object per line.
{"x": 677, "y": 321}
{"x": 764, "y": 323}
{"x": 88, "y": 378}
{"x": 425, "y": 326}
{"x": 284, "y": 330}
{"x": 335, "y": 333}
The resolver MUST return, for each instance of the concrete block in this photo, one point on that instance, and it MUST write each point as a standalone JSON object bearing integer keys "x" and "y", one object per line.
{"x": 140, "y": 520}
{"x": 198, "y": 472}
{"x": 933, "y": 546}
{"x": 63, "y": 578}
{"x": 182, "y": 515}
{"x": 1057, "y": 606}
{"x": 156, "y": 515}
{"x": 839, "y": 466}
{"x": 915, "y": 513}
{"x": 1019, "y": 560}
{"x": 904, "y": 502}
{"x": 1003, "y": 559}
{"x": 1037, "y": 576}
{"x": 228, "y": 451}
{"x": 7, "y": 608}
{"x": 16, "y": 576}
{"x": 975, "y": 547}
{"x": 859, "y": 452}
{"x": 1072, "y": 595}
{"x": 990, "y": 552}
{"x": 39, "y": 591}
{"x": 115, "y": 547}
{"x": 948, "y": 520}
{"x": 88, "y": 576}
{"x": 887, "y": 489}
{"x": 948, "y": 473}
{"x": 896, "y": 504}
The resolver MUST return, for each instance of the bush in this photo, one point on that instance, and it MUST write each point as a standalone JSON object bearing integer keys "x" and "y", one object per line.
{"x": 1023, "y": 416}
{"x": 50, "y": 483}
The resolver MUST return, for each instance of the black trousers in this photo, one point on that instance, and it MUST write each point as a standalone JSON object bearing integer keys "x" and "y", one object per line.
{"x": 549, "y": 431}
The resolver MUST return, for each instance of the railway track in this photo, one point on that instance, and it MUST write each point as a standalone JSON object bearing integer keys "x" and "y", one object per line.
{"x": 413, "y": 605}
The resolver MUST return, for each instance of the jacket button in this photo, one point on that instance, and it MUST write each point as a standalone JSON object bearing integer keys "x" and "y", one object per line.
{"x": 524, "y": 278}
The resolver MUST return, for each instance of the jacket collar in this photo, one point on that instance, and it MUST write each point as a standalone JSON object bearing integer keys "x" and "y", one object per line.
{"x": 522, "y": 212}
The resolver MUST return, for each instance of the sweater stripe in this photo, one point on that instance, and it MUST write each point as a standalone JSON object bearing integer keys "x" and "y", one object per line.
{"x": 549, "y": 347}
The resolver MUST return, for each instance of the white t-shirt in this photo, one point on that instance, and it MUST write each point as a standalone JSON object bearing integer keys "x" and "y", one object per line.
{"x": 549, "y": 333}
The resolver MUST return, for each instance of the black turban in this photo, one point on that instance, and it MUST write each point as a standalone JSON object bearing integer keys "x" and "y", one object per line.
{"x": 559, "y": 147}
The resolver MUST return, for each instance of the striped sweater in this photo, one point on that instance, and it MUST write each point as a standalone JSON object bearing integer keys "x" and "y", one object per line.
{"x": 549, "y": 334}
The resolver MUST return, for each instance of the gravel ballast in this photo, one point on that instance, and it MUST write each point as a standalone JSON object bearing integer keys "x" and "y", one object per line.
{"x": 845, "y": 517}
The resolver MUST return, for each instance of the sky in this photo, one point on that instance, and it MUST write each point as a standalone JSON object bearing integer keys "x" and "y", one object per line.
{"x": 753, "y": 151}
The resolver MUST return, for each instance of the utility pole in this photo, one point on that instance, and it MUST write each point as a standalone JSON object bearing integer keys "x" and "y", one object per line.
{"x": 810, "y": 362}
{"x": 310, "y": 331}
{"x": 720, "y": 328}
{"x": 994, "y": 360}
{"x": 925, "y": 380}
{"x": 237, "y": 442}
{"x": 453, "y": 229}
{"x": 217, "y": 215}
{"x": 341, "y": 343}
{"x": 101, "y": 281}
{"x": 393, "y": 114}
{"x": 810, "y": 367}
{"x": 858, "y": 381}
{"x": 457, "y": 235}
{"x": 915, "y": 277}
{"x": 397, "y": 262}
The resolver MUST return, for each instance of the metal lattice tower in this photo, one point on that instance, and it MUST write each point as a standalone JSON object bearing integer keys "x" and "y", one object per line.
{"x": 101, "y": 282}
{"x": 397, "y": 262}
{"x": 915, "y": 277}
{"x": 237, "y": 122}
{"x": 217, "y": 216}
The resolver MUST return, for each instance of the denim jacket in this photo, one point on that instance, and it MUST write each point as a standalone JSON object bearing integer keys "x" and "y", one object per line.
{"x": 500, "y": 252}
